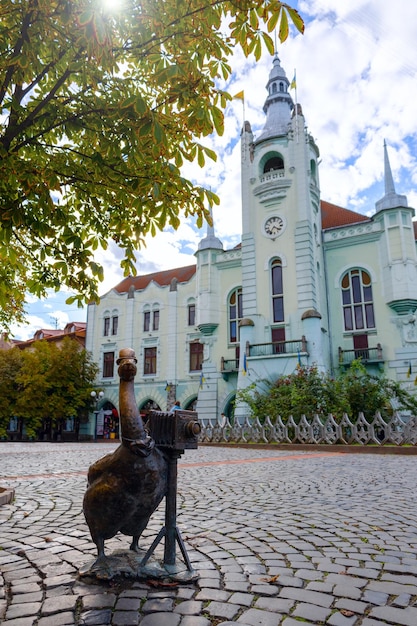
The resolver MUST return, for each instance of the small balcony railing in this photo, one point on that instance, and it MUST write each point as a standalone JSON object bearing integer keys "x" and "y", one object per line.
{"x": 276, "y": 348}
{"x": 366, "y": 355}
{"x": 229, "y": 365}
{"x": 272, "y": 175}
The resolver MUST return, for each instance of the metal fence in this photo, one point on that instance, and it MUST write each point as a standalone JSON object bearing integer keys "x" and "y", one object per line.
{"x": 316, "y": 430}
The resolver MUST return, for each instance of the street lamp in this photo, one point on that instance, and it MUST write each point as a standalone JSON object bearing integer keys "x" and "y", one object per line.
{"x": 96, "y": 397}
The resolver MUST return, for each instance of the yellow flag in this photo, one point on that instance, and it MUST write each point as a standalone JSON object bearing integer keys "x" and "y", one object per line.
{"x": 293, "y": 84}
{"x": 239, "y": 96}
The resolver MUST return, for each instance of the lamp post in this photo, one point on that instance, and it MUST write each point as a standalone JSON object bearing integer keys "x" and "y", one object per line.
{"x": 96, "y": 397}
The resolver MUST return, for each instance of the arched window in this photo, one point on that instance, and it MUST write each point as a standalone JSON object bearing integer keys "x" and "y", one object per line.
{"x": 277, "y": 291}
{"x": 357, "y": 301}
{"x": 235, "y": 314}
{"x": 274, "y": 88}
{"x": 274, "y": 163}
{"x": 281, "y": 87}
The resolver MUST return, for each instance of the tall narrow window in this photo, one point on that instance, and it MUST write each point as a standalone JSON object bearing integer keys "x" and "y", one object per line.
{"x": 155, "y": 320}
{"x": 146, "y": 321}
{"x": 114, "y": 324}
{"x": 106, "y": 327}
{"x": 277, "y": 291}
{"x": 235, "y": 314}
{"x": 357, "y": 301}
{"x": 149, "y": 362}
{"x": 108, "y": 365}
{"x": 191, "y": 315}
{"x": 196, "y": 356}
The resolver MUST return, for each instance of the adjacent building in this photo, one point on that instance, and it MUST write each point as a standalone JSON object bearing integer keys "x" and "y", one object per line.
{"x": 310, "y": 283}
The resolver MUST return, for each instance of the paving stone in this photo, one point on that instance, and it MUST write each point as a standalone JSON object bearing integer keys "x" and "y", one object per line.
{"x": 99, "y": 600}
{"x": 345, "y": 591}
{"x": 399, "y": 617}
{"x": 161, "y": 619}
{"x": 25, "y": 588}
{"x": 212, "y": 583}
{"x": 338, "y": 619}
{"x": 222, "y": 609}
{"x": 21, "y": 598}
{"x": 185, "y": 593}
{"x": 59, "y": 603}
{"x": 402, "y": 600}
{"x": 289, "y": 621}
{"x": 375, "y": 597}
{"x": 59, "y": 619}
{"x": 130, "y": 604}
{"x": 216, "y": 594}
{"x": 194, "y": 620}
{"x": 232, "y": 585}
{"x": 99, "y": 617}
{"x": 265, "y": 590}
{"x": 276, "y": 605}
{"x": 23, "y": 621}
{"x": 391, "y": 589}
{"x": 22, "y": 610}
{"x": 125, "y": 618}
{"x": 154, "y": 605}
{"x": 311, "y": 612}
{"x": 311, "y": 597}
{"x": 55, "y": 581}
{"x": 319, "y": 586}
{"x": 243, "y": 599}
{"x": 189, "y": 607}
{"x": 351, "y": 605}
{"x": 309, "y": 574}
{"x": 256, "y": 617}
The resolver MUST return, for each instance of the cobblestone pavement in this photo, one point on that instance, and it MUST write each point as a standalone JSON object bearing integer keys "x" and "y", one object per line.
{"x": 277, "y": 537}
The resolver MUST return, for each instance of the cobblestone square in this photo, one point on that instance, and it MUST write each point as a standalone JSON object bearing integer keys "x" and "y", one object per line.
{"x": 278, "y": 538}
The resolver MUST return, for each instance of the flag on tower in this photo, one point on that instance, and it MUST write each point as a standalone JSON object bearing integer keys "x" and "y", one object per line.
{"x": 239, "y": 96}
{"x": 293, "y": 84}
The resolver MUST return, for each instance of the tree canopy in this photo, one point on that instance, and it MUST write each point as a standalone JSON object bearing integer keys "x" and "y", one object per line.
{"x": 100, "y": 107}
{"x": 47, "y": 381}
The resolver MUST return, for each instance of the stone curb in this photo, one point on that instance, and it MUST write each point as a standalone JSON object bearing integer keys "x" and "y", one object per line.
{"x": 6, "y": 495}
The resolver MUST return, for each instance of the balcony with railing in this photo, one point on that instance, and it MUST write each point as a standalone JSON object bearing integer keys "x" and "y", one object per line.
{"x": 366, "y": 355}
{"x": 228, "y": 366}
{"x": 278, "y": 348}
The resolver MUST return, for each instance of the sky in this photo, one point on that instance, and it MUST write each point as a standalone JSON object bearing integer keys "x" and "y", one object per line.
{"x": 356, "y": 69}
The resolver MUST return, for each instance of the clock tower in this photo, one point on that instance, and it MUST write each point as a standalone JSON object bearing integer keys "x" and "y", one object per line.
{"x": 282, "y": 255}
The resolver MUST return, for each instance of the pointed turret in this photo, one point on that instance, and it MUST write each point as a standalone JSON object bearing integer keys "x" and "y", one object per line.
{"x": 210, "y": 240}
{"x": 278, "y": 105}
{"x": 391, "y": 199}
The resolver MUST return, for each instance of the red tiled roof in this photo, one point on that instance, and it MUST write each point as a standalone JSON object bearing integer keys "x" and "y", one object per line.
{"x": 333, "y": 216}
{"x": 182, "y": 274}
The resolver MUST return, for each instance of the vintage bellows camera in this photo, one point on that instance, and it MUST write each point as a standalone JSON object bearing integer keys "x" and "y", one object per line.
{"x": 178, "y": 430}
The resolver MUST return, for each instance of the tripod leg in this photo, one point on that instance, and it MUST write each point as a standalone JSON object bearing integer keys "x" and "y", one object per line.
{"x": 183, "y": 550}
{"x": 155, "y": 542}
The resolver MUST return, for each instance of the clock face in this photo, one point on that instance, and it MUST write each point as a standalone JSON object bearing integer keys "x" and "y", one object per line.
{"x": 274, "y": 226}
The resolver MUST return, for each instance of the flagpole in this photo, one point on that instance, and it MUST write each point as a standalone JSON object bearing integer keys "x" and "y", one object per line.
{"x": 294, "y": 86}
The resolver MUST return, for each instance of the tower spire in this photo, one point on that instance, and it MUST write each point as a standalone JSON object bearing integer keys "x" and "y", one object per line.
{"x": 278, "y": 104}
{"x": 210, "y": 240}
{"x": 389, "y": 181}
{"x": 391, "y": 199}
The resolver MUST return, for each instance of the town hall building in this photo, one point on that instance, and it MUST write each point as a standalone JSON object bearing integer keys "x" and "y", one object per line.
{"x": 311, "y": 283}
